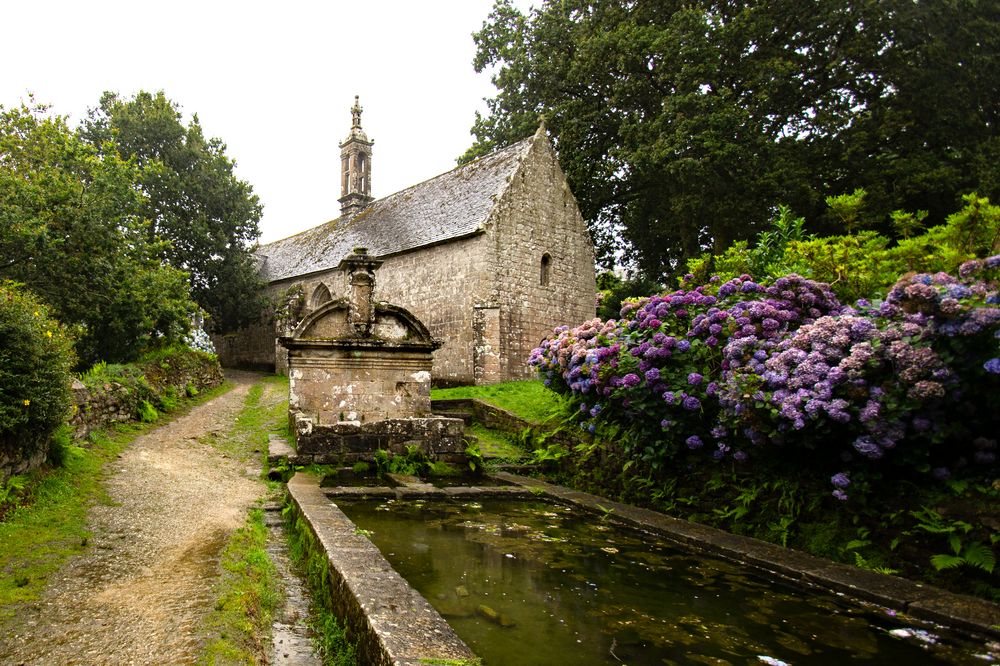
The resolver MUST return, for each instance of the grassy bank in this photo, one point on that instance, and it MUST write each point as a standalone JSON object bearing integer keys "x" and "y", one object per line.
{"x": 47, "y": 522}
{"x": 529, "y": 400}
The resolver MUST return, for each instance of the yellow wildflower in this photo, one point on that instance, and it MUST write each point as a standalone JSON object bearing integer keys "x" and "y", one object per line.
{"x": 48, "y": 334}
{"x": 27, "y": 402}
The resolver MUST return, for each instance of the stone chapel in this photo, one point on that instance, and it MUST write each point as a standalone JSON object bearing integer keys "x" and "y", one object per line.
{"x": 490, "y": 257}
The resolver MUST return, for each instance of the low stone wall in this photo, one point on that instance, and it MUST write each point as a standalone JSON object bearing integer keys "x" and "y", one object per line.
{"x": 350, "y": 441}
{"x": 392, "y": 623}
{"x": 118, "y": 401}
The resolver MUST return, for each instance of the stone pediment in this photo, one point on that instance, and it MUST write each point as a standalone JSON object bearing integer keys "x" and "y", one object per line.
{"x": 332, "y": 325}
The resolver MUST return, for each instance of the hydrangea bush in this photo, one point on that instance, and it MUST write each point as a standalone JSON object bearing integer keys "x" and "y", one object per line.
{"x": 742, "y": 370}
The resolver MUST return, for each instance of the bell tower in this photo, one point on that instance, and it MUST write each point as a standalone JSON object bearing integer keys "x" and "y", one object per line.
{"x": 355, "y": 167}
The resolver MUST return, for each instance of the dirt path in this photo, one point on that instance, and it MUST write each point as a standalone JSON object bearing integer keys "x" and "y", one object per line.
{"x": 140, "y": 593}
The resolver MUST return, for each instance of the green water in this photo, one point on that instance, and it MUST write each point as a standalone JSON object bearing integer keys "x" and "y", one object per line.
{"x": 535, "y": 583}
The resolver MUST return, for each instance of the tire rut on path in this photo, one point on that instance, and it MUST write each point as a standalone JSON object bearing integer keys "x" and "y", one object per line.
{"x": 141, "y": 591}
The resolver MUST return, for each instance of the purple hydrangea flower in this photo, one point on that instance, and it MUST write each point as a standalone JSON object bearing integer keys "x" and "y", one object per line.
{"x": 691, "y": 403}
{"x": 652, "y": 375}
{"x": 992, "y": 366}
{"x": 840, "y": 494}
{"x": 840, "y": 480}
{"x": 694, "y": 379}
{"x": 694, "y": 442}
{"x": 631, "y": 380}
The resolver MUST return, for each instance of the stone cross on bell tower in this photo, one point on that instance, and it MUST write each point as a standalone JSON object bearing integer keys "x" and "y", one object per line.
{"x": 355, "y": 167}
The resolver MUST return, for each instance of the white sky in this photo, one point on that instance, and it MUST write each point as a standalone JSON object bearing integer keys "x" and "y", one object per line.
{"x": 274, "y": 80}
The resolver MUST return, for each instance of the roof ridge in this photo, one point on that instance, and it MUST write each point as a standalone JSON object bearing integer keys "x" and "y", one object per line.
{"x": 496, "y": 153}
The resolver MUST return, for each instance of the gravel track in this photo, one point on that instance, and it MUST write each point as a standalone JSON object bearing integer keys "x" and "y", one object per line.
{"x": 141, "y": 591}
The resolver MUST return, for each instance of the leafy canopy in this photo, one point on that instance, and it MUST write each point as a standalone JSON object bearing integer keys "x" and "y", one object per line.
{"x": 680, "y": 124}
{"x": 206, "y": 216}
{"x": 72, "y": 231}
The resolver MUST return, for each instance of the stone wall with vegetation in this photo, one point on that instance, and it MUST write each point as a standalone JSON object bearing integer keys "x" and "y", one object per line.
{"x": 110, "y": 394}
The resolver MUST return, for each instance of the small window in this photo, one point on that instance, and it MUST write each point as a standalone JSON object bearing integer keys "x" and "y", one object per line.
{"x": 546, "y": 273}
{"x": 320, "y": 296}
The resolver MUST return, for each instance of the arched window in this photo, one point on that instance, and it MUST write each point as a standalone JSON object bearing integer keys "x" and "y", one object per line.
{"x": 320, "y": 296}
{"x": 546, "y": 272}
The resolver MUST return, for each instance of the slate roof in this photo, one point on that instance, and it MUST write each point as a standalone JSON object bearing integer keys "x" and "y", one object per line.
{"x": 452, "y": 205}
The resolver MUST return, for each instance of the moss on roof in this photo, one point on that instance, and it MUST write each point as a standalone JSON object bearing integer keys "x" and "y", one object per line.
{"x": 455, "y": 204}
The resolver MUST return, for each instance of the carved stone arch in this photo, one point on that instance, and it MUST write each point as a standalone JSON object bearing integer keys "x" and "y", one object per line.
{"x": 321, "y": 294}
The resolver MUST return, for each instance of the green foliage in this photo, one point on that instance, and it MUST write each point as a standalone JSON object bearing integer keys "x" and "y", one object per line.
{"x": 848, "y": 209}
{"x": 864, "y": 264}
{"x": 855, "y": 266}
{"x": 35, "y": 359}
{"x": 475, "y": 457}
{"x": 147, "y": 413}
{"x": 974, "y": 554}
{"x": 766, "y": 259}
{"x": 71, "y": 230}
{"x": 678, "y": 124}
{"x": 206, "y": 217}
{"x": 413, "y": 462}
{"x": 9, "y": 490}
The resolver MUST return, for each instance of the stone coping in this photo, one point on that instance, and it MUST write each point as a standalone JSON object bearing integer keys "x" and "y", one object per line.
{"x": 923, "y": 602}
{"x": 392, "y": 622}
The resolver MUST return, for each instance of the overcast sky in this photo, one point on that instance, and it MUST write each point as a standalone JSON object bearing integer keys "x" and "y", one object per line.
{"x": 275, "y": 81}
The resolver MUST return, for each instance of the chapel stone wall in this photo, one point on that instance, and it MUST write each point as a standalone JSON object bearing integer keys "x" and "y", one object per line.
{"x": 545, "y": 274}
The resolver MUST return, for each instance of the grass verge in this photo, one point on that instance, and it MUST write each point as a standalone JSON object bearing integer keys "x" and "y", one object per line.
{"x": 249, "y": 595}
{"x": 247, "y": 440}
{"x": 530, "y": 400}
{"x": 250, "y": 590}
{"x": 49, "y": 524}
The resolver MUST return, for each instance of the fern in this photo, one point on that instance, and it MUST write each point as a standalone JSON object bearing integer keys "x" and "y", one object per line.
{"x": 981, "y": 556}
{"x": 946, "y": 561}
{"x": 976, "y": 554}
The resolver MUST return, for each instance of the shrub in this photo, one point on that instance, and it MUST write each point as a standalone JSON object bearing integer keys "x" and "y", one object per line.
{"x": 35, "y": 359}
{"x": 749, "y": 371}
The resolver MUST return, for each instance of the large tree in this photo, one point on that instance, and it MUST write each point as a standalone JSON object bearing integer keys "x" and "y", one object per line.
{"x": 207, "y": 216}
{"x": 682, "y": 124}
{"x": 71, "y": 230}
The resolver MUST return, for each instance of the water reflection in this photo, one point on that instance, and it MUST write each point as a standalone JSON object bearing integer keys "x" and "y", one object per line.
{"x": 534, "y": 583}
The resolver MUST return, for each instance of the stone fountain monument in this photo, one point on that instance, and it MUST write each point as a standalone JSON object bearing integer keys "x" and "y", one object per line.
{"x": 360, "y": 378}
